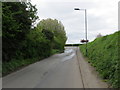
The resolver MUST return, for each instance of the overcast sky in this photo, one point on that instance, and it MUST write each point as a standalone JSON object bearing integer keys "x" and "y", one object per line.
{"x": 102, "y": 16}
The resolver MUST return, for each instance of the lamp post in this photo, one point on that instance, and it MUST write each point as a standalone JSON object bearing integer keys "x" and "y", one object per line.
{"x": 85, "y": 25}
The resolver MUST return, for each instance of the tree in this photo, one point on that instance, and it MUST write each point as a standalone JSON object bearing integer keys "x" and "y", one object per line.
{"x": 17, "y": 19}
{"x": 99, "y": 35}
{"x": 56, "y": 27}
{"x": 48, "y": 34}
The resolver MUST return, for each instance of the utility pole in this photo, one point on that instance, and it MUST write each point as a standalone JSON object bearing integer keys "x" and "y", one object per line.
{"x": 85, "y": 26}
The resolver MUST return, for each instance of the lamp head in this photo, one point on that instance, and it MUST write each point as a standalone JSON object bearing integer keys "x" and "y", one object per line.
{"x": 76, "y": 9}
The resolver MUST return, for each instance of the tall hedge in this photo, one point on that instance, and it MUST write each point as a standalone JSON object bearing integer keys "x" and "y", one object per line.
{"x": 23, "y": 43}
{"x": 17, "y": 20}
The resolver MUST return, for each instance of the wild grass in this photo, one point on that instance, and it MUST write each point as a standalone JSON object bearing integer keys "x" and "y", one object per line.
{"x": 16, "y": 64}
{"x": 103, "y": 55}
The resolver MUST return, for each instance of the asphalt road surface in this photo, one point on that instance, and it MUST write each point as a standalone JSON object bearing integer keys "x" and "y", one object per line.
{"x": 66, "y": 70}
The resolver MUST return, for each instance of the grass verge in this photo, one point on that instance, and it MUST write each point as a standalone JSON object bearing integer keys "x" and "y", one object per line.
{"x": 103, "y": 55}
{"x": 14, "y": 65}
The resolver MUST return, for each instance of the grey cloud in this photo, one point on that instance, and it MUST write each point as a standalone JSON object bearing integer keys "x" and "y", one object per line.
{"x": 74, "y": 20}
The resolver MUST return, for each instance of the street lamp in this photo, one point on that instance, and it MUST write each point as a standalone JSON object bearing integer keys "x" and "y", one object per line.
{"x": 85, "y": 25}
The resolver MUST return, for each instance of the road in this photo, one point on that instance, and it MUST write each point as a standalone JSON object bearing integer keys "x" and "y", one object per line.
{"x": 66, "y": 70}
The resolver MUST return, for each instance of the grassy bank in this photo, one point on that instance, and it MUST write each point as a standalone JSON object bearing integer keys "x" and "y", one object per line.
{"x": 103, "y": 55}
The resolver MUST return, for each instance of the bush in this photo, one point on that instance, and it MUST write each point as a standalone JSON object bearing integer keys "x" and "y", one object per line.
{"x": 37, "y": 45}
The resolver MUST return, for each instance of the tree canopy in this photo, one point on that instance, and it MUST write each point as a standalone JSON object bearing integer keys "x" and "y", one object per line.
{"x": 57, "y": 28}
{"x": 17, "y": 19}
